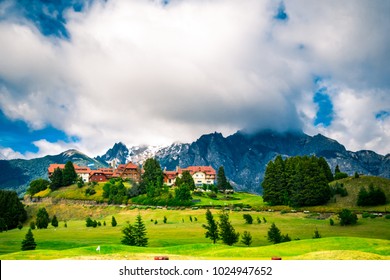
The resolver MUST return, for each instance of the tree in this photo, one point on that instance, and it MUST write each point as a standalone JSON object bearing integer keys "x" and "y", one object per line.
{"x": 211, "y": 227}
{"x": 222, "y": 182}
{"x": 135, "y": 235}
{"x": 227, "y": 232}
{"x": 42, "y": 218}
{"x": 372, "y": 197}
{"x": 128, "y": 238}
{"x": 248, "y": 218}
{"x": 56, "y": 179}
{"x": 274, "y": 234}
{"x": 326, "y": 169}
{"x": 152, "y": 179}
{"x": 186, "y": 179}
{"x": 183, "y": 193}
{"x": 338, "y": 174}
{"x": 246, "y": 238}
{"x": 37, "y": 185}
{"x": 347, "y": 217}
{"x": 29, "y": 243}
{"x": 316, "y": 234}
{"x": 140, "y": 232}
{"x": 54, "y": 221}
{"x": 113, "y": 221}
{"x": 69, "y": 175}
{"x": 11, "y": 210}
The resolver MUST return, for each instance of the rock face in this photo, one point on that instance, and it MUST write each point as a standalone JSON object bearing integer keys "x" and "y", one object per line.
{"x": 243, "y": 156}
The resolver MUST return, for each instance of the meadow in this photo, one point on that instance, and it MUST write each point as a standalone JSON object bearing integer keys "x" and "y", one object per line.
{"x": 181, "y": 238}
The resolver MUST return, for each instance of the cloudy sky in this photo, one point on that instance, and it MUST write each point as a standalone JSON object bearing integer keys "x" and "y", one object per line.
{"x": 86, "y": 74}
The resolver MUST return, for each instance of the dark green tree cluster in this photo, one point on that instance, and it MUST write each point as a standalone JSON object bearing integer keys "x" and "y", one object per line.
{"x": 12, "y": 210}
{"x": 222, "y": 182}
{"x": 186, "y": 179}
{"x": 115, "y": 191}
{"x": 184, "y": 186}
{"x": 248, "y": 218}
{"x": 297, "y": 181}
{"x": 38, "y": 185}
{"x": 90, "y": 223}
{"x": 135, "y": 234}
{"x": 65, "y": 177}
{"x": 374, "y": 196}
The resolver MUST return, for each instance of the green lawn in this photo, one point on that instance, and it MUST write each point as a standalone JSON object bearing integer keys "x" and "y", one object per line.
{"x": 183, "y": 239}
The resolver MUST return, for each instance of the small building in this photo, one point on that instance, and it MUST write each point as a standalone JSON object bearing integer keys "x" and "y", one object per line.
{"x": 81, "y": 171}
{"x": 99, "y": 176}
{"x": 128, "y": 171}
{"x": 200, "y": 174}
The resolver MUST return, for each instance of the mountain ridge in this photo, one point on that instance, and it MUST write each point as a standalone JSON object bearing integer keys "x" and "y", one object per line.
{"x": 243, "y": 155}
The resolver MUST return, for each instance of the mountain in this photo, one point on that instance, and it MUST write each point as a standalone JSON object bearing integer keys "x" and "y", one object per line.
{"x": 245, "y": 156}
{"x": 17, "y": 174}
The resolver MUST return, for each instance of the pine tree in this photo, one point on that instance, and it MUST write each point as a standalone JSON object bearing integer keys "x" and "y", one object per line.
{"x": 29, "y": 243}
{"x": 227, "y": 231}
{"x": 222, "y": 182}
{"x": 246, "y": 238}
{"x": 211, "y": 227}
{"x": 274, "y": 234}
{"x": 140, "y": 232}
{"x": 54, "y": 221}
{"x": 183, "y": 193}
{"x": 42, "y": 218}
{"x": 113, "y": 222}
{"x": 69, "y": 175}
{"x": 56, "y": 179}
{"x": 128, "y": 238}
{"x": 152, "y": 179}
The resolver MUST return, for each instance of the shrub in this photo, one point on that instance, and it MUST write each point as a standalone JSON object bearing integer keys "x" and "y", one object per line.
{"x": 365, "y": 215}
{"x": 316, "y": 234}
{"x": 387, "y": 216}
{"x": 248, "y": 218}
{"x": 331, "y": 222}
{"x": 32, "y": 225}
{"x": 347, "y": 217}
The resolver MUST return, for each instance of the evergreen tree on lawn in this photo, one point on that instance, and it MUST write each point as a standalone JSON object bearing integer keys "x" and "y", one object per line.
{"x": 113, "y": 221}
{"x": 211, "y": 227}
{"x": 227, "y": 232}
{"x": 347, "y": 217}
{"x": 274, "y": 234}
{"x": 29, "y": 243}
{"x": 54, "y": 221}
{"x": 152, "y": 179}
{"x": 42, "y": 218}
{"x": 12, "y": 210}
{"x": 183, "y": 193}
{"x": 128, "y": 238}
{"x": 246, "y": 238}
{"x": 222, "y": 182}
{"x": 140, "y": 232}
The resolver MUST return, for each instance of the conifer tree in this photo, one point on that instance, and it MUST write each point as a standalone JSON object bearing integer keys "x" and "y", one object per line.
{"x": 42, "y": 218}
{"x": 69, "y": 175}
{"x": 246, "y": 238}
{"x": 140, "y": 232}
{"x": 56, "y": 179}
{"x": 227, "y": 232}
{"x": 54, "y": 221}
{"x": 152, "y": 179}
{"x": 186, "y": 179}
{"x": 211, "y": 227}
{"x": 274, "y": 234}
{"x": 29, "y": 243}
{"x": 113, "y": 221}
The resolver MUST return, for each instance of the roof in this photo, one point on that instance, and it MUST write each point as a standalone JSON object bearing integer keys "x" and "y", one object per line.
{"x": 128, "y": 165}
{"x": 78, "y": 169}
{"x": 193, "y": 169}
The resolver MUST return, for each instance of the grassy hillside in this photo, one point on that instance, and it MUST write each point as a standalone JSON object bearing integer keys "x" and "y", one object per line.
{"x": 183, "y": 239}
{"x": 353, "y": 186}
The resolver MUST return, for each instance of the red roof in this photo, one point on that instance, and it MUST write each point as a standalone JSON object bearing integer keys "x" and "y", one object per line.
{"x": 128, "y": 165}
{"x": 193, "y": 169}
{"x": 78, "y": 169}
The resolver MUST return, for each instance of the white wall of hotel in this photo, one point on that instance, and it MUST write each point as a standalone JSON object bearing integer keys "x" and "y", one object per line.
{"x": 84, "y": 176}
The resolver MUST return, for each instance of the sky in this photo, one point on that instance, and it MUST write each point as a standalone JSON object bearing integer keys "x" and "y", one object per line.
{"x": 87, "y": 74}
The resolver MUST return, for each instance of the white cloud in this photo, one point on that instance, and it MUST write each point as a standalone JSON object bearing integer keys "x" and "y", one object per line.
{"x": 8, "y": 153}
{"x": 140, "y": 72}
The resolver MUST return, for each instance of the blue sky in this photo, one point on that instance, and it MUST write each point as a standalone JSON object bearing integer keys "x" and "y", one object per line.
{"x": 87, "y": 74}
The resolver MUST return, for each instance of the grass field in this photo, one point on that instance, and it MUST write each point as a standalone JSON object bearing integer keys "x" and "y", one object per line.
{"x": 182, "y": 239}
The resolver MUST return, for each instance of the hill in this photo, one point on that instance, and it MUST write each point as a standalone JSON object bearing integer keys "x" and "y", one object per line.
{"x": 353, "y": 185}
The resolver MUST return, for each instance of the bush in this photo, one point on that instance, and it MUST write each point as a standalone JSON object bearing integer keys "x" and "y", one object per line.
{"x": 32, "y": 225}
{"x": 347, "y": 217}
{"x": 365, "y": 215}
{"x": 387, "y": 216}
{"x": 248, "y": 218}
{"x": 331, "y": 222}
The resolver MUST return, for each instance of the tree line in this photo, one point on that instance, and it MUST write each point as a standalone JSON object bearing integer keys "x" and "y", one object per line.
{"x": 297, "y": 181}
